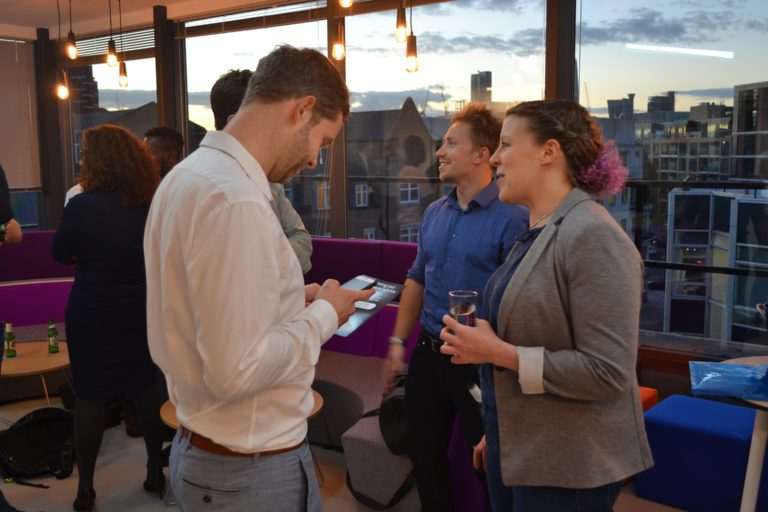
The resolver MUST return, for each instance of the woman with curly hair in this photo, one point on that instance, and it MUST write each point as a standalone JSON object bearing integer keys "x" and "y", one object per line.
{"x": 102, "y": 232}
{"x": 561, "y": 406}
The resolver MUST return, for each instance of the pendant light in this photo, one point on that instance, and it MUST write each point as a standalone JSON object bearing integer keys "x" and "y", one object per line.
{"x": 346, "y": 4}
{"x": 62, "y": 83}
{"x": 123, "y": 73}
{"x": 62, "y": 86}
{"x": 401, "y": 30}
{"x": 71, "y": 42}
{"x": 339, "y": 50}
{"x": 111, "y": 47}
{"x": 411, "y": 53}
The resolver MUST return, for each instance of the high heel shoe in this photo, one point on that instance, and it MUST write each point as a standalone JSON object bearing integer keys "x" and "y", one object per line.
{"x": 84, "y": 500}
{"x": 155, "y": 482}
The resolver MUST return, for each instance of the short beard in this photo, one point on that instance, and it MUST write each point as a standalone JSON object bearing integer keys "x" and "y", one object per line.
{"x": 294, "y": 159}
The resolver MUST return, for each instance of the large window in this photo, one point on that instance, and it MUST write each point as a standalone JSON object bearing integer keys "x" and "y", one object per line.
{"x": 209, "y": 57}
{"x": 492, "y": 54}
{"x": 19, "y": 152}
{"x": 96, "y": 97}
{"x": 680, "y": 87}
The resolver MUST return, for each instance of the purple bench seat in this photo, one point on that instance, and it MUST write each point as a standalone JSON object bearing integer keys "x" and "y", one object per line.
{"x": 34, "y": 302}
{"x": 31, "y": 259}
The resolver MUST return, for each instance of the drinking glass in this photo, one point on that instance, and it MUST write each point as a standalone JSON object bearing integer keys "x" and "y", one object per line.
{"x": 462, "y": 306}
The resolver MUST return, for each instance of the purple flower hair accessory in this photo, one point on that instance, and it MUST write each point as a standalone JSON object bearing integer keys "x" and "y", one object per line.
{"x": 607, "y": 173}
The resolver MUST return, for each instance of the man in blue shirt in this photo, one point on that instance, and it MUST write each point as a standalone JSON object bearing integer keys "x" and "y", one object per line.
{"x": 464, "y": 237}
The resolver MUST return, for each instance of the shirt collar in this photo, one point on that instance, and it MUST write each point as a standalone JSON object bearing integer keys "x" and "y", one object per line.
{"x": 227, "y": 144}
{"x": 483, "y": 198}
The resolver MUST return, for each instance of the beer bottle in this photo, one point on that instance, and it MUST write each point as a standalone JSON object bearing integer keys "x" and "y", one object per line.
{"x": 53, "y": 337}
{"x": 10, "y": 341}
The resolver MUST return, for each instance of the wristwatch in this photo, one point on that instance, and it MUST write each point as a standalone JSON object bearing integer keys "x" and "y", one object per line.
{"x": 394, "y": 340}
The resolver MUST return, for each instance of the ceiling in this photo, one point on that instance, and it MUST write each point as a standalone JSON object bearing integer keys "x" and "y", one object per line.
{"x": 21, "y": 19}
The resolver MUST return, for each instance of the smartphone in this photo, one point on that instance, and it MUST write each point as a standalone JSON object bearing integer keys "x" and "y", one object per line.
{"x": 361, "y": 282}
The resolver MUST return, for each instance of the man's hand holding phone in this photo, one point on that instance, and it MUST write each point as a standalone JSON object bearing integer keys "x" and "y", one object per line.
{"x": 342, "y": 299}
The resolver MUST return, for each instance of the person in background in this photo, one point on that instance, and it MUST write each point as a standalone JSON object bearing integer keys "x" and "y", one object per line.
{"x": 229, "y": 325}
{"x": 464, "y": 237}
{"x": 10, "y": 234}
{"x": 166, "y": 145}
{"x": 562, "y": 412}
{"x": 10, "y": 230}
{"x": 226, "y": 96}
{"x": 101, "y": 231}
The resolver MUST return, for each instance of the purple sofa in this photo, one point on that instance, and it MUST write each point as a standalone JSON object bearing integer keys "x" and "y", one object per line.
{"x": 33, "y": 287}
{"x": 31, "y": 259}
{"x": 34, "y": 302}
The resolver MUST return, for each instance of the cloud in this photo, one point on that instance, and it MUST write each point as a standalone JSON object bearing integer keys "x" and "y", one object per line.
{"x": 121, "y": 98}
{"x": 651, "y": 26}
{"x": 758, "y": 25}
{"x": 732, "y": 4}
{"x": 501, "y": 5}
{"x": 523, "y": 42}
{"x": 199, "y": 97}
{"x": 393, "y": 100}
{"x": 640, "y": 25}
{"x": 720, "y": 92}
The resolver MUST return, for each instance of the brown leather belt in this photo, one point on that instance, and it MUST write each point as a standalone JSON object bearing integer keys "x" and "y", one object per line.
{"x": 208, "y": 445}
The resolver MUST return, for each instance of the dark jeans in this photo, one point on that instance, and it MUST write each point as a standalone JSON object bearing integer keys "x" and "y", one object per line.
{"x": 435, "y": 390}
{"x": 523, "y": 498}
{"x": 4, "y": 505}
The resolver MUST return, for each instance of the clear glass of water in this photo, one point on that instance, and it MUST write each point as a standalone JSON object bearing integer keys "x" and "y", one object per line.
{"x": 462, "y": 306}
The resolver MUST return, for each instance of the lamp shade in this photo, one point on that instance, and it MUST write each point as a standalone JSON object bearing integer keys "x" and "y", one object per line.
{"x": 111, "y": 53}
{"x": 401, "y": 30}
{"x": 339, "y": 50}
{"x": 71, "y": 46}
{"x": 411, "y": 55}
{"x": 123, "y": 78}
{"x": 62, "y": 86}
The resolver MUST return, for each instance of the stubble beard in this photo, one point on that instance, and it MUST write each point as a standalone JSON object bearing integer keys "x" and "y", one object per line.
{"x": 295, "y": 157}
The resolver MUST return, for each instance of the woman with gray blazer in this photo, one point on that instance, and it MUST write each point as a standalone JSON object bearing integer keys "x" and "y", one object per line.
{"x": 564, "y": 424}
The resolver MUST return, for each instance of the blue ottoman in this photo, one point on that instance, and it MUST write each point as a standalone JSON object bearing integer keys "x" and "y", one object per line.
{"x": 700, "y": 450}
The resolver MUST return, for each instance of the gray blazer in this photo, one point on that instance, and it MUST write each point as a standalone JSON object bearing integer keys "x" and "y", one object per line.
{"x": 572, "y": 416}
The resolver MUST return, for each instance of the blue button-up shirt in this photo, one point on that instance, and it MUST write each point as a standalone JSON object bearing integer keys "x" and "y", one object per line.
{"x": 459, "y": 249}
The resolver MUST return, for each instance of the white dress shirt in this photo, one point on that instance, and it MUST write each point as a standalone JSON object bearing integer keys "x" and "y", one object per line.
{"x": 225, "y": 303}
{"x": 72, "y": 192}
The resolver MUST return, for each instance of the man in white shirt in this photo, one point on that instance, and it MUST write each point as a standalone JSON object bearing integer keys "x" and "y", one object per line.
{"x": 227, "y": 317}
{"x": 226, "y": 96}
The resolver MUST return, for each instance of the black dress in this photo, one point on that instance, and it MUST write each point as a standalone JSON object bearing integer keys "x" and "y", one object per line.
{"x": 106, "y": 319}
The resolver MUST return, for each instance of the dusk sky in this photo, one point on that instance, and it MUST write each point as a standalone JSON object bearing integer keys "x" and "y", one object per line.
{"x": 505, "y": 37}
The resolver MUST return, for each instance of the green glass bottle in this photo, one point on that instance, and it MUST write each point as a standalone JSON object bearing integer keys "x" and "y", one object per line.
{"x": 53, "y": 337}
{"x": 10, "y": 341}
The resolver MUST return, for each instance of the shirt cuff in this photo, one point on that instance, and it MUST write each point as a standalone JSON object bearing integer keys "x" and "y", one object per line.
{"x": 328, "y": 320}
{"x": 531, "y": 369}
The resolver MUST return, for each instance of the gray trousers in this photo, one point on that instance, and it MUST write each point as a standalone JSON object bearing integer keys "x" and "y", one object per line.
{"x": 204, "y": 481}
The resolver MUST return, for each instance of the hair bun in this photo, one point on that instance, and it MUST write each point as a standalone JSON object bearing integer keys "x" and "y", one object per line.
{"x": 606, "y": 175}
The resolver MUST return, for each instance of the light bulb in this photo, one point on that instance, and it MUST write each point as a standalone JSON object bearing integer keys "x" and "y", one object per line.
{"x": 71, "y": 46}
{"x": 111, "y": 53}
{"x": 62, "y": 87}
{"x": 123, "y": 79}
{"x": 62, "y": 91}
{"x": 338, "y": 52}
{"x": 411, "y": 55}
{"x": 346, "y": 3}
{"x": 401, "y": 31}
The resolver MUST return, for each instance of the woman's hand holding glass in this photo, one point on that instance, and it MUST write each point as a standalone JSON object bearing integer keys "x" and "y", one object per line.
{"x": 475, "y": 345}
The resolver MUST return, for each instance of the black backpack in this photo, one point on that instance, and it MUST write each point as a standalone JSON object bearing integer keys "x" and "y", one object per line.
{"x": 40, "y": 443}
